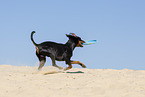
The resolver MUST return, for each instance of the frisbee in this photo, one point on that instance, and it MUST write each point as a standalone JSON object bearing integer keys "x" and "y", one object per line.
{"x": 89, "y": 42}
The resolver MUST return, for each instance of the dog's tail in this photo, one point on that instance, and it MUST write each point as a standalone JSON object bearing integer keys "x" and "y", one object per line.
{"x": 35, "y": 44}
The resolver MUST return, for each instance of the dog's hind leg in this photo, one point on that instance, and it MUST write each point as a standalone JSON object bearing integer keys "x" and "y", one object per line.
{"x": 54, "y": 63}
{"x": 78, "y": 62}
{"x": 42, "y": 60}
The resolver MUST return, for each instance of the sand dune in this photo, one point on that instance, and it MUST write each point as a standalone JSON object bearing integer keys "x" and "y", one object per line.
{"x": 21, "y": 81}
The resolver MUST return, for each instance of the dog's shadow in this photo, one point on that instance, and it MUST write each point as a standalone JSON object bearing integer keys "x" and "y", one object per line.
{"x": 74, "y": 72}
{"x": 69, "y": 72}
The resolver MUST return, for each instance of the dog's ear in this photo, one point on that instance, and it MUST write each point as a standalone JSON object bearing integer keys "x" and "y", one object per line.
{"x": 73, "y": 34}
{"x": 67, "y": 35}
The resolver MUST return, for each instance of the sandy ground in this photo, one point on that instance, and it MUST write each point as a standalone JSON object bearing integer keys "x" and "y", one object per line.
{"x": 21, "y": 81}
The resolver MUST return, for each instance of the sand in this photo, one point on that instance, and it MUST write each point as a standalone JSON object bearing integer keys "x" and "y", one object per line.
{"x": 22, "y": 81}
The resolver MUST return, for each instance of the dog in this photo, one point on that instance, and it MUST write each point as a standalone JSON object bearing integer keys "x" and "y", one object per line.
{"x": 58, "y": 51}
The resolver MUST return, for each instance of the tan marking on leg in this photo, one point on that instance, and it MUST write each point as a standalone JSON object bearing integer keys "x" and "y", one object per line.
{"x": 37, "y": 49}
{"x": 78, "y": 62}
{"x": 70, "y": 66}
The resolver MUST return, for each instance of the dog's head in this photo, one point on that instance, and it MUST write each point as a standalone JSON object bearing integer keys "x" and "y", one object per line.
{"x": 79, "y": 42}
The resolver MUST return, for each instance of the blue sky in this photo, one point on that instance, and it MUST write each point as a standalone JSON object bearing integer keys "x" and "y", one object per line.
{"x": 117, "y": 25}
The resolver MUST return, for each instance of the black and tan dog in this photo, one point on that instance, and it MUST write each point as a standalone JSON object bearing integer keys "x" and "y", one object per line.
{"x": 57, "y": 51}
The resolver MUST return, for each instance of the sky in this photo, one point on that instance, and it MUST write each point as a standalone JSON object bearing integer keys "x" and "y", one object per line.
{"x": 117, "y": 25}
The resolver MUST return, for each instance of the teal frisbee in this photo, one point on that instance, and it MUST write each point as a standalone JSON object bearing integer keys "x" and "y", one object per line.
{"x": 89, "y": 42}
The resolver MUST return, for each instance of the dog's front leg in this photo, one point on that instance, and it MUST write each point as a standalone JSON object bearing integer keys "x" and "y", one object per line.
{"x": 69, "y": 63}
{"x": 78, "y": 62}
{"x": 69, "y": 67}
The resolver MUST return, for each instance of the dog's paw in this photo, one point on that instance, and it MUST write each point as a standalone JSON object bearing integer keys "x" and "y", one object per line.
{"x": 84, "y": 66}
{"x": 67, "y": 68}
